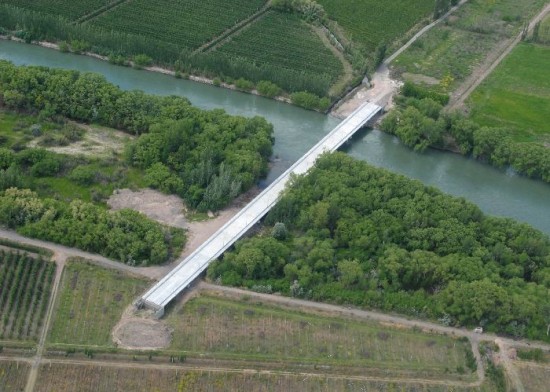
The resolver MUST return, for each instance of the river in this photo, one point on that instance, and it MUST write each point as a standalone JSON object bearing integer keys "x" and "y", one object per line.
{"x": 496, "y": 192}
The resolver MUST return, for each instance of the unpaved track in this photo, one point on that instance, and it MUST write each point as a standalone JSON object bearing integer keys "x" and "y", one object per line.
{"x": 65, "y": 251}
{"x": 511, "y": 371}
{"x": 60, "y": 259}
{"x": 383, "y": 86}
{"x": 484, "y": 70}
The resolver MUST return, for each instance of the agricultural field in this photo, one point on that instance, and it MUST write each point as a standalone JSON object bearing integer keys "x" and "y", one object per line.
{"x": 517, "y": 95}
{"x": 370, "y": 22}
{"x": 286, "y": 41}
{"x": 70, "y": 9}
{"x": 90, "y": 302}
{"x": 13, "y": 376}
{"x": 533, "y": 376}
{"x": 188, "y": 24}
{"x": 454, "y": 48}
{"x": 236, "y": 329}
{"x": 25, "y": 282}
{"x": 85, "y": 378}
{"x": 544, "y": 31}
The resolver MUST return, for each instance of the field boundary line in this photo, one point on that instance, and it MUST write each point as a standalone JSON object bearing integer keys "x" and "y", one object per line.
{"x": 471, "y": 83}
{"x": 167, "y": 366}
{"x": 347, "y": 68}
{"x": 236, "y": 29}
{"x": 99, "y": 11}
{"x": 60, "y": 260}
{"x": 423, "y": 31}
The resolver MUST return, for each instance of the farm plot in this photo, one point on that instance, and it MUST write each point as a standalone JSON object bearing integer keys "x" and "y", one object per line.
{"x": 285, "y": 41}
{"x": 187, "y": 24}
{"x": 90, "y": 303}
{"x": 370, "y": 22}
{"x": 25, "y": 284}
{"x": 456, "y": 47}
{"x": 70, "y": 9}
{"x": 13, "y": 376}
{"x": 84, "y": 378}
{"x": 222, "y": 327}
{"x": 517, "y": 95}
{"x": 534, "y": 377}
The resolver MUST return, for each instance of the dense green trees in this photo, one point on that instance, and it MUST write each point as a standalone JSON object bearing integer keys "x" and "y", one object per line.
{"x": 123, "y": 235}
{"x": 362, "y": 235}
{"x": 207, "y": 157}
{"x": 119, "y": 46}
{"x": 418, "y": 120}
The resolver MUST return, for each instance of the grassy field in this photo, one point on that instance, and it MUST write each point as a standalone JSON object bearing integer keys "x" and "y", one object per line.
{"x": 517, "y": 94}
{"x": 185, "y": 23}
{"x": 285, "y": 40}
{"x": 70, "y": 9}
{"x": 534, "y": 377}
{"x": 64, "y": 377}
{"x": 90, "y": 303}
{"x": 455, "y": 47}
{"x": 13, "y": 376}
{"x": 25, "y": 284}
{"x": 228, "y": 328}
{"x": 370, "y": 22}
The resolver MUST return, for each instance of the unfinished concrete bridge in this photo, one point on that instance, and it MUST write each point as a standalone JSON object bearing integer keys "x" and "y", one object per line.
{"x": 191, "y": 267}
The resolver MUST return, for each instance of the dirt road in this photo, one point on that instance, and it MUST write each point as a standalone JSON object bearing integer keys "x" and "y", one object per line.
{"x": 460, "y": 95}
{"x": 382, "y": 86}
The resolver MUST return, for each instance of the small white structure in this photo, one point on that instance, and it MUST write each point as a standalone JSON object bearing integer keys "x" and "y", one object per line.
{"x": 478, "y": 330}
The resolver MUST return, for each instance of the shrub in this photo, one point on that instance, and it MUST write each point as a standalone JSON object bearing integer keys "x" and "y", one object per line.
{"x": 243, "y": 84}
{"x": 268, "y": 89}
{"x": 142, "y": 60}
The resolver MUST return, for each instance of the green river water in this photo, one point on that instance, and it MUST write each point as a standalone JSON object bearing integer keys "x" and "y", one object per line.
{"x": 496, "y": 192}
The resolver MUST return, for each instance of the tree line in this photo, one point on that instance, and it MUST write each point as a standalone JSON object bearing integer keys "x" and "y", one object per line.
{"x": 124, "y": 235}
{"x": 207, "y": 157}
{"x": 418, "y": 120}
{"x": 351, "y": 233}
{"x": 31, "y": 26}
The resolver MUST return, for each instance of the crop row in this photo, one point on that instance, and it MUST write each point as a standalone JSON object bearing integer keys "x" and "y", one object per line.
{"x": 286, "y": 41}
{"x": 90, "y": 302}
{"x": 24, "y": 292}
{"x": 85, "y": 378}
{"x": 370, "y": 22}
{"x": 185, "y": 23}
{"x": 70, "y": 9}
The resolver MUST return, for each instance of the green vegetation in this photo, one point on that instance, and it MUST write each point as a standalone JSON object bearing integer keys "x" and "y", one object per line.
{"x": 370, "y": 22}
{"x": 90, "y": 302}
{"x": 535, "y": 354}
{"x": 69, "y": 9}
{"x": 25, "y": 283}
{"x": 365, "y": 236}
{"x": 257, "y": 331}
{"x": 124, "y": 235}
{"x": 517, "y": 95}
{"x": 210, "y": 152}
{"x": 453, "y": 49}
{"x": 285, "y": 40}
{"x": 419, "y": 122}
{"x": 187, "y": 24}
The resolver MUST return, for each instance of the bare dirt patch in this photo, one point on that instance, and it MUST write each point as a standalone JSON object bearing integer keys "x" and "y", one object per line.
{"x": 97, "y": 141}
{"x": 135, "y": 333}
{"x": 167, "y": 209}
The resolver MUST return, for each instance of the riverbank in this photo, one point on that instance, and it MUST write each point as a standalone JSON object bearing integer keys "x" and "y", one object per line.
{"x": 157, "y": 69}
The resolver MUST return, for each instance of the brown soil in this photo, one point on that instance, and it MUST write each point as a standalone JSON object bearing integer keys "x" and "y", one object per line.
{"x": 167, "y": 209}
{"x": 142, "y": 334}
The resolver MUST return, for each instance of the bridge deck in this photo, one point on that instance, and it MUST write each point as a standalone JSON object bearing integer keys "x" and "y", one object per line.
{"x": 190, "y": 268}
